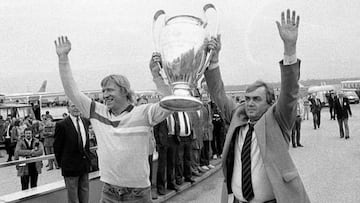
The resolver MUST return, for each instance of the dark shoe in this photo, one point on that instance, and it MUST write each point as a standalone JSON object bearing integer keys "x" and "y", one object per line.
{"x": 299, "y": 145}
{"x": 294, "y": 146}
{"x": 196, "y": 173}
{"x": 154, "y": 194}
{"x": 190, "y": 180}
{"x": 173, "y": 187}
{"x": 347, "y": 137}
{"x": 161, "y": 191}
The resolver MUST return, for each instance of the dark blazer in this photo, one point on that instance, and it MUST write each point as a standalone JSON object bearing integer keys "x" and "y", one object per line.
{"x": 314, "y": 108}
{"x": 73, "y": 159}
{"x": 161, "y": 133}
{"x": 344, "y": 110}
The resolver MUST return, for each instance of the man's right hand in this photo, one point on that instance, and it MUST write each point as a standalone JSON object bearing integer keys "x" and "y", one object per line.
{"x": 63, "y": 46}
{"x": 155, "y": 63}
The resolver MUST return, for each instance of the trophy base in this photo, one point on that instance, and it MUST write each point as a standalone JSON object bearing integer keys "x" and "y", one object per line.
{"x": 181, "y": 103}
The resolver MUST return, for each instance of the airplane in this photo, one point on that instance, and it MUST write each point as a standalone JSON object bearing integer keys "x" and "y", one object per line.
{"x": 21, "y": 97}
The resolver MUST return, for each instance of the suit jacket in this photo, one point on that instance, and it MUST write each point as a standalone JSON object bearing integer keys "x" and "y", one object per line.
{"x": 272, "y": 133}
{"x": 342, "y": 111}
{"x": 72, "y": 157}
{"x": 314, "y": 108}
{"x": 161, "y": 133}
{"x": 22, "y": 150}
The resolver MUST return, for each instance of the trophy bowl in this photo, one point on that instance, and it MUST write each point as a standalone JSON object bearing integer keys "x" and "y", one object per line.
{"x": 182, "y": 44}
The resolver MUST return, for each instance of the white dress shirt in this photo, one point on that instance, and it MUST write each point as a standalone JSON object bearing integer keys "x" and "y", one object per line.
{"x": 82, "y": 128}
{"x": 261, "y": 185}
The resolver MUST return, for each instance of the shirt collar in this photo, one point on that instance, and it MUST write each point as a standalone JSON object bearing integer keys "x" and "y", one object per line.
{"x": 128, "y": 109}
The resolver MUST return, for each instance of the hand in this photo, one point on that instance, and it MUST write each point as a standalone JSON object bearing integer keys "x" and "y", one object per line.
{"x": 215, "y": 45}
{"x": 155, "y": 64}
{"x": 288, "y": 30}
{"x": 63, "y": 46}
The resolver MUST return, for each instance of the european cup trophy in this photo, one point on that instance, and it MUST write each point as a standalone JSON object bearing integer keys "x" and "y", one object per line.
{"x": 181, "y": 42}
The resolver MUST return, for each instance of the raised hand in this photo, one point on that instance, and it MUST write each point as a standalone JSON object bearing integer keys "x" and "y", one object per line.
{"x": 155, "y": 63}
{"x": 215, "y": 45}
{"x": 63, "y": 46}
{"x": 288, "y": 30}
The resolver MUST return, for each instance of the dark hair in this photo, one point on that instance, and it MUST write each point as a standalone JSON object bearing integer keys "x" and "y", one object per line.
{"x": 142, "y": 97}
{"x": 270, "y": 96}
{"x": 29, "y": 129}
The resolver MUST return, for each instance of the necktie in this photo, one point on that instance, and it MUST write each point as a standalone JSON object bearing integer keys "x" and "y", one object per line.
{"x": 177, "y": 123}
{"x": 79, "y": 133}
{"x": 247, "y": 188}
{"x": 186, "y": 124}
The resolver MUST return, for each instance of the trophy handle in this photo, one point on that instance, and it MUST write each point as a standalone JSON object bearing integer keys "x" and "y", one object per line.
{"x": 208, "y": 55}
{"x": 155, "y": 31}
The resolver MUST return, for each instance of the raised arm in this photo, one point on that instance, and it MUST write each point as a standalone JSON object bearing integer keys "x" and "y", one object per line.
{"x": 63, "y": 47}
{"x": 155, "y": 65}
{"x": 290, "y": 70}
{"x": 215, "y": 83}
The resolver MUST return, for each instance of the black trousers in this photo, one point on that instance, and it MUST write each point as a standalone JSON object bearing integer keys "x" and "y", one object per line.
{"x": 295, "y": 134}
{"x": 218, "y": 138}
{"x": 32, "y": 177}
{"x": 205, "y": 154}
{"x": 10, "y": 148}
{"x": 183, "y": 159}
{"x": 166, "y": 164}
{"x": 316, "y": 119}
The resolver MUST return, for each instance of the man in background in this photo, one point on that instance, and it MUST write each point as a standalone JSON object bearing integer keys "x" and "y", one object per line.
{"x": 71, "y": 147}
{"x": 342, "y": 111}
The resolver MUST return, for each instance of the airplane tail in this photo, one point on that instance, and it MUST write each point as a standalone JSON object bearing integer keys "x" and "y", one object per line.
{"x": 43, "y": 86}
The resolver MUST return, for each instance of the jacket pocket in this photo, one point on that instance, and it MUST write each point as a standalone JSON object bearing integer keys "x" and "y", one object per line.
{"x": 289, "y": 175}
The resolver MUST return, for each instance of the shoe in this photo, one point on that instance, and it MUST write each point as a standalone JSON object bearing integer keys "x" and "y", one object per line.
{"x": 49, "y": 169}
{"x": 154, "y": 194}
{"x": 205, "y": 168}
{"x": 214, "y": 157}
{"x": 299, "y": 145}
{"x": 210, "y": 166}
{"x": 180, "y": 182}
{"x": 347, "y": 137}
{"x": 161, "y": 191}
{"x": 196, "y": 173}
{"x": 190, "y": 180}
{"x": 173, "y": 187}
{"x": 201, "y": 170}
{"x": 294, "y": 146}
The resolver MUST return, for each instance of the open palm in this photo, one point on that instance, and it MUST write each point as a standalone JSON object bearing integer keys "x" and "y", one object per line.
{"x": 63, "y": 46}
{"x": 288, "y": 29}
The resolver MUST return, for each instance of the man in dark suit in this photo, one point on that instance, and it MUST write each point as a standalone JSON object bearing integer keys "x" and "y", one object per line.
{"x": 342, "y": 111}
{"x": 315, "y": 109}
{"x": 166, "y": 146}
{"x": 71, "y": 147}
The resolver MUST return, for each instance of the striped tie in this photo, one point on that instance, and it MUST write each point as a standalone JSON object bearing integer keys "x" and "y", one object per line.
{"x": 247, "y": 188}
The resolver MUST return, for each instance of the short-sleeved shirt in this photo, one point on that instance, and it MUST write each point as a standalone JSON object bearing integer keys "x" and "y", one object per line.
{"x": 123, "y": 142}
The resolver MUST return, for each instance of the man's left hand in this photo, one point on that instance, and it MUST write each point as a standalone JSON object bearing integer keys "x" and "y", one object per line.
{"x": 288, "y": 30}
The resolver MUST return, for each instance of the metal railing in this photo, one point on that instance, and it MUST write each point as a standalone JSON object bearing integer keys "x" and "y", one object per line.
{"x": 32, "y": 159}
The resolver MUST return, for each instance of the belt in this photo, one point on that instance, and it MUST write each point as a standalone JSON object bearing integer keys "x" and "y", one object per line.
{"x": 238, "y": 201}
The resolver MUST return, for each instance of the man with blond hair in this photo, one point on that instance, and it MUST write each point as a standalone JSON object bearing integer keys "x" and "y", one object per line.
{"x": 122, "y": 131}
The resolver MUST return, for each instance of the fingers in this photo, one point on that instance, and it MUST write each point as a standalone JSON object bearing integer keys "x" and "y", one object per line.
{"x": 282, "y": 18}
{"x": 293, "y": 18}
{"x": 278, "y": 25}
{"x": 297, "y": 21}
{"x": 288, "y": 16}
{"x": 62, "y": 40}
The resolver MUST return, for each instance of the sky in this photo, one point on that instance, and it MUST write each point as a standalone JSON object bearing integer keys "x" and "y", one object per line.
{"x": 113, "y": 36}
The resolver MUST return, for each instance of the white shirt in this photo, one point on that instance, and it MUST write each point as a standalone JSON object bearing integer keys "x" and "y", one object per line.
{"x": 82, "y": 128}
{"x": 261, "y": 185}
